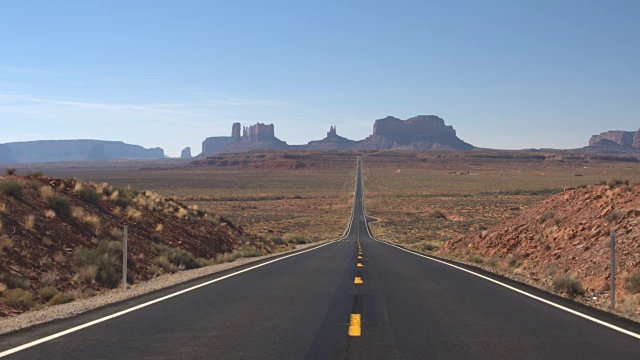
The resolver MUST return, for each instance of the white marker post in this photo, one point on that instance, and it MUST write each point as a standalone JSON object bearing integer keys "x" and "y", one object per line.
{"x": 124, "y": 257}
{"x": 613, "y": 270}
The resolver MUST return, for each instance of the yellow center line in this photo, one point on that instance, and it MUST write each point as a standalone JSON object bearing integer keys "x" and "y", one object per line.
{"x": 358, "y": 280}
{"x": 359, "y": 257}
{"x": 360, "y": 265}
{"x": 354, "y": 325}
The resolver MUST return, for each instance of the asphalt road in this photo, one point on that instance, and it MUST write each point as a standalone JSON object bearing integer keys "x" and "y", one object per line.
{"x": 307, "y": 305}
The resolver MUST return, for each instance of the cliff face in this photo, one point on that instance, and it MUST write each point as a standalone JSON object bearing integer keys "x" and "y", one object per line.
{"x": 625, "y": 139}
{"x": 79, "y": 150}
{"x": 5, "y": 155}
{"x": 423, "y": 132}
{"x": 214, "y": 145}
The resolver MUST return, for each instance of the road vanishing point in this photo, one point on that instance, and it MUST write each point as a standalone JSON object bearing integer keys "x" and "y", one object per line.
{"x": 353, "y": 298}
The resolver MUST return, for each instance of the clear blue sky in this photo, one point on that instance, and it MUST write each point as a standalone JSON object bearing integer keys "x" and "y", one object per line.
{"x": 505, "y": 74}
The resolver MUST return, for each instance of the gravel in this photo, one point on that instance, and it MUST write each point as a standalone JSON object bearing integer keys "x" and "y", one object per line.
{"x": 47, "y": 314}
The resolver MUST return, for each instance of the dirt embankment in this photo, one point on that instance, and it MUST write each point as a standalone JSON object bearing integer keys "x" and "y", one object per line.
{"x": 563, "y": 243}
{"x": 60, "y": 240}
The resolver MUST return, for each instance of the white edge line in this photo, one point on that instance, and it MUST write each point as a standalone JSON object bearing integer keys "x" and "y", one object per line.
{"x": 548, "y": 302}
{"x": 109, "y": 317}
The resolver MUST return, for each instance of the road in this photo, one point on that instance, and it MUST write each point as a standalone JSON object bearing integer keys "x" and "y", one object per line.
{"x": 309, "y": 306}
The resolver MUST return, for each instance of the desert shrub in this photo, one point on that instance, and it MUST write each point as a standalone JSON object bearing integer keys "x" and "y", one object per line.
{"x": 3, "y": 208}
{"x": 297, "y": 240}
{"x": 582, "y": 186}
{"x": 176, "y": 256}
{"x": 227, "y": 221}
{"x": 59, "y": 258}
{"x": 568, "y": 285}
{"x": 61, "y": 298}
{"x": 15, "y": 281}
{"x": 49, "y": 214}
{"x": 546, "y": 216}
{"x": 35, "y": 173}
{"x": 59, "y": 203}
{"x": 159, "y": 228}
{"x": 277, "y": 240}
{"x": 157, "y": 238}
{"x": 427, "y": 246}
{"x": 89, "y": 194}
{"x": 632, "y": 283}
{"x": 163, "y": 263}
{"x": 19, "y": 298}
{"x": 88, "y": 273}
{"x": 613, "y": 216}
{"x": 10, "y": 171}
{"x": 556, "y": 221}
{"x": 616, "y": 182}
{"x": 12, "y": 188}
{"x": 49, "y": 278}
{"x": 48, "y": 292}
{"x": 437, "y": 214}
{"x": 106, "y": 258}
{"x": 3, "y": 288}
{"x": 475, "y": 258}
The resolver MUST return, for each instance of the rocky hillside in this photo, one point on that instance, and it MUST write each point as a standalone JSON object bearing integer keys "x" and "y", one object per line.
{"x": 563, "y": 243}
{"x": 61, "y": 239}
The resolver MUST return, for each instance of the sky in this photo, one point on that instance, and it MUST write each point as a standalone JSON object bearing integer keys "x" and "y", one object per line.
{"x": 506, "y": 74}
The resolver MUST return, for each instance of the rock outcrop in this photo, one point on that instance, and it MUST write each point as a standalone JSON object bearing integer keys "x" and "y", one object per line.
{"x": 5, "y": 155}
{"x": 79, "y": 150}
{"x": 332, "y": 141}
{"x": 186, "y": 153}
{"x": 616, "y": 139}
{"x": 423, "y": 132}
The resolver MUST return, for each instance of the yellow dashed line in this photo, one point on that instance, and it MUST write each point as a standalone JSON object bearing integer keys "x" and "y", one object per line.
{"x": 359, "y": 257}
{"x": 354, "y": 325}
{"x": 358, "y": 280}
{"x": 360, "y": 265}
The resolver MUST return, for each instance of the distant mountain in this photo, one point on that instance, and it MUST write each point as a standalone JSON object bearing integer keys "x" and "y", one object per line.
{"x": 77, "y": 150}
{"x": 5, "y": 155}
{"x": 424, "y": 132}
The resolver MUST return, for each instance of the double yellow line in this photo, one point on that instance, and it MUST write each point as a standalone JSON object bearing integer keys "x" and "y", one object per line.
{"x": 355, "y": 322}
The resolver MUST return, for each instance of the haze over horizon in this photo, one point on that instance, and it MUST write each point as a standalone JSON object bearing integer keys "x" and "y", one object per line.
{"x": 504, "y": 74}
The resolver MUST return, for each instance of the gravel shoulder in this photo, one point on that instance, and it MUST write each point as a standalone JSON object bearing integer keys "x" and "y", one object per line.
{"x": 113, "y": 296}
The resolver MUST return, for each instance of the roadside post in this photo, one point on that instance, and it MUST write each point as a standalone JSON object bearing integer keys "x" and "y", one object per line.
{"x": 613, "y": 270}
{"x": 124, "y": 257}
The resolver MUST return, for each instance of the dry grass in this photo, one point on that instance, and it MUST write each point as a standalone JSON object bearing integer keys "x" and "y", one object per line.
{"x": 59, "y": 258}
{"x": 159, "y": 228}
{"x": 30, "y": 222}
{"x": 133, "y": 214}
{"x": 49, "y": 214}
{"x": 3, "y": 208}
{"x": 5, "y": 243}
{"x": 47, "y": 192}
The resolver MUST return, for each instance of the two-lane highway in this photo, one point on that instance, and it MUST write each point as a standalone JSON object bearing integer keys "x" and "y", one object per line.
{"x": 320, "y": 304}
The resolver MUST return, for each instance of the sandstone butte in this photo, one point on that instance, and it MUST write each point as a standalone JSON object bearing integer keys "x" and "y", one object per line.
{"x": 568, "y": 234}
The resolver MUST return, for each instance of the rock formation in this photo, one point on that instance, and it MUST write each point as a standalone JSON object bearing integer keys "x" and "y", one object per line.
{"x": 424, "y": 132}
{"x": 186, "y": 153}
{"x": 215, "y": 144}
{"x": 79, "y": 150}
{"x": 616, "y": 139}
{"x": 333, "y": 141}
{"x": 5, "y": 155}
